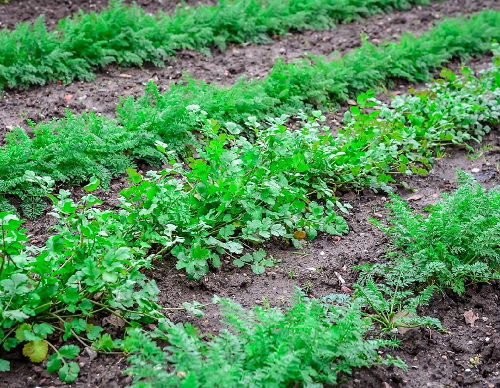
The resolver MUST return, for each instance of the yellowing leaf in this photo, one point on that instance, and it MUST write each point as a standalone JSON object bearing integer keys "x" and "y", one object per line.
{"x": 299, "y": 235}
{"x": 36, "y": 351}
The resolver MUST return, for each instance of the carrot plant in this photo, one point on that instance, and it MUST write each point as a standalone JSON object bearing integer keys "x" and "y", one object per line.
{"x": 32, "y": 55}
{"x": 456, "y": 244}
{"x": 312, "y": 342}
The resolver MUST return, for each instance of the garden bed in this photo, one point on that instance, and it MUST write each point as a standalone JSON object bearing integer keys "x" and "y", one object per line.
{"x": 466, "y": 354}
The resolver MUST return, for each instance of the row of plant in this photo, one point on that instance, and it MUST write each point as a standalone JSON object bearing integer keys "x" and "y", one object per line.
{"x": 320, "y": 341}
{"x": 129, "y": 36}
{"x": 81, "y": 147}
{"x": 233, "y": 195}
{"x": 314, "y": 341}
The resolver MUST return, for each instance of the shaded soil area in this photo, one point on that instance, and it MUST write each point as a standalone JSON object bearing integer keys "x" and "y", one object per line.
{"x": 252, "y": 60}
{"x": 16, "y": 11}
{"x": 466, "y": 355}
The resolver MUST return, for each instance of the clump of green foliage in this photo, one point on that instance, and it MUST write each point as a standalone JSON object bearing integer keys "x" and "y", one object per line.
{"x": 313, "y": 342}
{"x": 236, "y": 194}
{"x": 392, "y": 306}
{"x": 129, "y": 36}
{"x": 455, "y": 244}
{"x": 72, "y": 150}
{"x": 316, "y": 340}
{"x": 313, "y": 82}
{"x": 400, "y": 138}
{"x": 87, "y": 267}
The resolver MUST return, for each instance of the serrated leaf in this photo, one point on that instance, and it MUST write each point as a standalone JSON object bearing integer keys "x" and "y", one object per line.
{"x": 21, "y": 331}
{"x": 134, "y": 176}
{"x": 69, "y": 351}
{"x": 53, "y": 363}
{"x": 93, "y": 185}
{"x": 258, "y": 269}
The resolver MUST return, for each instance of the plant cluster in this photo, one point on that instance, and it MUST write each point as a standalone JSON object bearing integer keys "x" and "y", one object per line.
{"x": 80, "y": 147}
{"x": 87, "y": 268}
{"x": 236, "y": 194}
{"x": 72, "y": 150}
{"x": 313, "y": 82}
{"x": 313, "y": 342}
{"x": 129, "y": 36}
{"x": 455, "y": 244}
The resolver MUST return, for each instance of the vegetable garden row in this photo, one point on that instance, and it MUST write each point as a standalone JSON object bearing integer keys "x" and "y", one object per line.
{"x": 232, "y": 169}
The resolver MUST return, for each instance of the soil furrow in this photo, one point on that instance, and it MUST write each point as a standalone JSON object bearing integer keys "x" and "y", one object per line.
{"x": 253, "y": 61}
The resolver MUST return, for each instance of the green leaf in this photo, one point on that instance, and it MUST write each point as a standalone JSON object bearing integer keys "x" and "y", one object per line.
{"x": 235, "y": 247}
{"x": 4, "y": 365}
{"x": 105, "y": 342}
{"x": 69, "y": 351}
{"x": 43, "y": 329}
{"x": 54, "y": 363}
{"x": 69, "y": 372}
{"x": 21, "y": 331}
{"x": 258, "y": 269}
{"x": 93, "y": 185}
{"x": 93, "y": 332}
{"x": 109, "y": 277}
{"x": 134, "y": 176}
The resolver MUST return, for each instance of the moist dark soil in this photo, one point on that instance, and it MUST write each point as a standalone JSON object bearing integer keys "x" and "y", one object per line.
{"x": 16, "y": 11}
{"x": 252, "y": 60}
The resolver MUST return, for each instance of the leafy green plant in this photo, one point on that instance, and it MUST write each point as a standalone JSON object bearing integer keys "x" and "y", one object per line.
{"x": 72, "y": 150}
{"x": 394, "y": 307}
{"x": 313, "y": 82}
{"x": 257, "y": 260}
{"x": 129, "y": 36}
{"x": 237, "y": 194}
{"x": 87, "y": 268}
{"x": 313, "y": 342}
{"x": 377, "y": 142}
{"x": 455, "y": 244}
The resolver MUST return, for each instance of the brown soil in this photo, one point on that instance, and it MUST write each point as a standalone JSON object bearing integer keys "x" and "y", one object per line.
{"x": 435, "y": 359}
{"x": 253, "y": 61}
{"x": 16, "y": 11}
